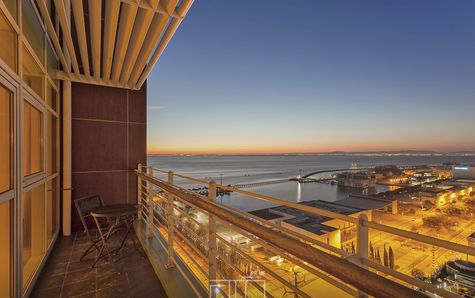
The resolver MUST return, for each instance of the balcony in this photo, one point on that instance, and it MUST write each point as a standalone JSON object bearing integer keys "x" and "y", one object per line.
{"x": 202, "y": 247}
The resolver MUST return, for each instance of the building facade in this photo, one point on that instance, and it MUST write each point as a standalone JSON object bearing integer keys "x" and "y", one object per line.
{"x": 72, "y": 116}
{"x": 358, "y": 179}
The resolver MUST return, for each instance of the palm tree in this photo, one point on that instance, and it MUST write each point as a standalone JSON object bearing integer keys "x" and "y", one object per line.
{"x": 391, "y": 258}
{"x": 385, "y": 257}
{"x": 378, "y": 257}
{"x": 371, "y": 250}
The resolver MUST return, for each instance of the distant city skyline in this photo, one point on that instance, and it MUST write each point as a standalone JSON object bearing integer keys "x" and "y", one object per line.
{"x": 247, "y": 77}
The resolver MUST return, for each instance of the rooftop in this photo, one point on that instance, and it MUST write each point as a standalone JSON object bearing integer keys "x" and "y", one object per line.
{"x": 306, "y": 221}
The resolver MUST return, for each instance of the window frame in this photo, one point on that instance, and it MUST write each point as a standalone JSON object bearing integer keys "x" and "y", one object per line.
{"x": 37, "y": 104}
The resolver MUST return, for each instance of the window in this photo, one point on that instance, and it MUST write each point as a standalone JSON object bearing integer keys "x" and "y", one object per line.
{"x": 51, "y": 97}
{"x": 52, "y": 209}
{"x": 33, "y": 231}
{"x": 32, "y": 74}
{"x": 5, "y": 249}
{"x": 32, "y": 139}
{"x": 32, "y": 29}
{"x": 6, "y": 130}
{"x": 11, "y": 6}
{"x": 52, "y": 139}
{"x": 8, "y": 50}
{"x": 52, "y": 64}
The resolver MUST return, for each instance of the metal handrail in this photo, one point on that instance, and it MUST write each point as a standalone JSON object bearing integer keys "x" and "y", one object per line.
{"x": 342, "y": 269}
{"x": 316, "y": 211}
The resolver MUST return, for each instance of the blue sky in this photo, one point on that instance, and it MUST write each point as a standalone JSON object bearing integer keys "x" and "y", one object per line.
{"x": 300, "y": 76}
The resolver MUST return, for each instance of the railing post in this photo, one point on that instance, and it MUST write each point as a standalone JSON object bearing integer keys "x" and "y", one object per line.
{"x": 212, "y": 242}
{"x": 362, "y": 243}
{"x": 171, "y": 224}
{"x": 148, "y": 231}
{"x": 139, "y": 191}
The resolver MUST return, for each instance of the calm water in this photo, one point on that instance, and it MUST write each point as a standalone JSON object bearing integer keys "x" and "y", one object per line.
{"x": 245, "y": 169}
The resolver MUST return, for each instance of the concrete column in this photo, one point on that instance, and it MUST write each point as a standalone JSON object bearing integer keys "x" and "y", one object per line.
{"x": 212, "y": 243}
{"x": 67, "y": 179}
{"x": 149, "y": 226}
{"x": 171, "y": 224}
{"x": 67, "y": 140}
{"x": 362, "y": 243}
{"x": 139, "y": 191}
{"x": 394, "y": 207}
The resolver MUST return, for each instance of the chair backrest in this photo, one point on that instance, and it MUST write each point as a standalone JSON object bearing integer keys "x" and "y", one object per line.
{"x": 85, "y": 205}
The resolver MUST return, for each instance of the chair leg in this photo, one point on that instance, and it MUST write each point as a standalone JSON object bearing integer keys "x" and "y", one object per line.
{"x": 90, "y": 250}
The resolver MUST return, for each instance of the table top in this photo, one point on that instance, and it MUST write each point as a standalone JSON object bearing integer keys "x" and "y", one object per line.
{"x": 115, "y": 210}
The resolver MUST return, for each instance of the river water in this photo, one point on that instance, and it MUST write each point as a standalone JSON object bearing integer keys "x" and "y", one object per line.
{"x": 238, "y": 169}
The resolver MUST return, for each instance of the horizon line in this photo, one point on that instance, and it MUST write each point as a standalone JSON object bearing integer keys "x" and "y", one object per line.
{"x": 337, "y": 152}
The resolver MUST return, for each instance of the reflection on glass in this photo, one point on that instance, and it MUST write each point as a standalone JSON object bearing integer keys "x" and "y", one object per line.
{"x": 32, "y": 74}
{"x": 11, "y": 6}
{"x": 8, "y": 49}
{"x": 52, "y": 64}
{"x": 32, "y": 29}
{"x": 33, "y": 231}
{"x": 52, "y": 206}
{"x": 5, "y": 139}
{"x": 51, "y": 133}
{"x": 32, "y": 139}
{"x": 5, "y": 249}
{"x": 51, "y": 96}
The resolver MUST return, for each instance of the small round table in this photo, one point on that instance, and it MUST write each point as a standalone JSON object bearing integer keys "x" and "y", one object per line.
{"x": 120, "y": 215}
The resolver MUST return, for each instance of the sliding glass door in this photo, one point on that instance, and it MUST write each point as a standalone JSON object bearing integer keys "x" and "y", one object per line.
{"x": 7, "y": 193}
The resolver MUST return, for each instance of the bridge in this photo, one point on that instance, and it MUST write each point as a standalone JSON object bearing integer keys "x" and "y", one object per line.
{"x": 333, "y": 170}
{"x": 262, "y": 183}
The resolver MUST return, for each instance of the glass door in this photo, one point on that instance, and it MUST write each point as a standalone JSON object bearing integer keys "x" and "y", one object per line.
{"x": 7, "y": 193}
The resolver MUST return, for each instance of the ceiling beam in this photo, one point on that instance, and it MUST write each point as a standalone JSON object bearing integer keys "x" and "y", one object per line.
{"x": 156, "y": 28}
{"x": 141, "y": 27}
{"x": 95, "y": 28}
{"x": 110, "y": 30}
{"x": 80, "y": 78}
{"x": 158, "y": 9}
{"x": 126, "y": 22}
{"x": 52, "y": 34}
{"x": 78, "y": 12}
{"x": 171, "y": 29}
{"x": 66, "y": 29}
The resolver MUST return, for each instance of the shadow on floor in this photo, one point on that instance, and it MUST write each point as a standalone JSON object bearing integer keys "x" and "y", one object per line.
{"x": 129, "y": 275}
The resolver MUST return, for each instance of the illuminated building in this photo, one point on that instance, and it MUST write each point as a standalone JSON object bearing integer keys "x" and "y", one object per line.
{"x": 358, "y": 179}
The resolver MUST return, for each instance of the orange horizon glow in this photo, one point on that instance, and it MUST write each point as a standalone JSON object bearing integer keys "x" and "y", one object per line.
{"x": 290, "y": 150}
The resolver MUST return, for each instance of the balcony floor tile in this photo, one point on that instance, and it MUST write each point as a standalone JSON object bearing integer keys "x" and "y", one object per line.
{"x": 129, "y": 275}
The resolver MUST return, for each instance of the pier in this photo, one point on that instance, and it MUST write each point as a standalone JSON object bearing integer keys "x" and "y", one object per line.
{"x": 262, "y": 183}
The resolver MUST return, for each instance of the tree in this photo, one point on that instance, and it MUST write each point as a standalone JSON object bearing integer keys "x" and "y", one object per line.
{"x": 452, "y": 211}
{"x": 385, "y": 257}
{"x": 427, "y": 204}
{"x": 391, "y": 258}
{"x": 437, "y": 222}
{"x": 417, "y": 272}
{"x": 470, "y": 205}
{"x": 371, "y": 250}
{"x": 378, "y": 257}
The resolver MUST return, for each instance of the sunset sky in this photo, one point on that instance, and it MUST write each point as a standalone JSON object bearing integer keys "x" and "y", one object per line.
{"x": 315, "y": 76}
